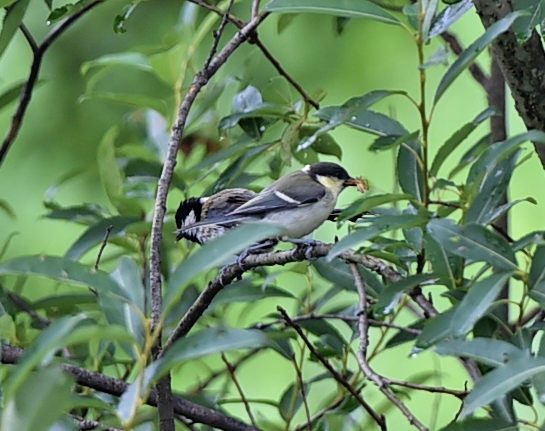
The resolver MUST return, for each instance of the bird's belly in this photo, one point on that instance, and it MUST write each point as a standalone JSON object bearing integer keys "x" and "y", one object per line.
{"x": 299, "y": 222}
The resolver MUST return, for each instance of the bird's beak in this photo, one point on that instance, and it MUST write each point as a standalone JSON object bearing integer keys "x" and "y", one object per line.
{"x": 360, "y": 183}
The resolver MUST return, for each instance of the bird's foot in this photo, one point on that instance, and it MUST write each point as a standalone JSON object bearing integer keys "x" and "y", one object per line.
{"x": 261, "y": 247}
{"x": 305, "y": 244}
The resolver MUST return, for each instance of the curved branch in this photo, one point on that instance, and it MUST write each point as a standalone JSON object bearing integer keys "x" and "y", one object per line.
{"x": 112, "y": 386}
{"x": 38, "y": 53}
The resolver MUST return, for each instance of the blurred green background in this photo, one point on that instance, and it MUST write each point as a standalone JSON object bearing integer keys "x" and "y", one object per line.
{"x": 61, "y": 134}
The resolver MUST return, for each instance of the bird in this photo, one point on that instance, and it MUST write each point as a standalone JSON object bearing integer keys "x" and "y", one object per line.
{"x": 198, "y": 209}
{"x": 299, "y": 202}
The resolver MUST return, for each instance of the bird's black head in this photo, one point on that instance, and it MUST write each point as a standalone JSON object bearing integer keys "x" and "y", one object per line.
{"x": 188, "y": 212}
{"x": 327, "y": 169}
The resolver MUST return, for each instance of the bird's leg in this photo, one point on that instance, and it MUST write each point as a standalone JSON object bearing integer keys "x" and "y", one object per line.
{"x": 304, "y": 243}
{"x": 260, "y": 247}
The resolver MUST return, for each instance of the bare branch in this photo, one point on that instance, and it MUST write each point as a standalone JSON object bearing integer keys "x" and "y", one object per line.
{"x": 29, "y": 38}
{"x": 231, "y": 370}
{"x": 268, "y": 55}
{"x": 103, "y": 246}
{"x": 522, "y": 64}
{"x": 362, "y": 354}
{"x": 379, "y": 419}
{"x": 38, "y": 53}
{"x": 112, "y": 386}
{"x": 301, "y": 384}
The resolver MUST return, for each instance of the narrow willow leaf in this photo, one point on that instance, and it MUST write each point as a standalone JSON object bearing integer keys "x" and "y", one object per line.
{"x": 12, "y": 20}
{"x": 474, "y": 242}
{"x": 481, "y": 424}
{"x": 446, "y": 266}
{"x": 206, "y": 342}
{"x": 389, "y": 297}
{"x": 94, "y": 235}
{"x": 483, "y": 206}
{"x": 387, "y": 142}
{"x": 536, "y": 280}
{"x": 345, "y": 8}
{"x": 368, "y": 202}
{"x": 449, "y": 16}
{"x": 338, "y": 272}
{"x": 42, "y": 398}
{"x": 409, "y": 169}
{"x": 430, "y": 9}
{"x": 378, "y": 226}
{"x": 538, "y": 380}
{"x": 488, "y": 351}
{"x": 472, "y": 51}
{"x": 477, "y": 301}
{"x": 58, "y": 268}
{"x": 457, "y": 138}
{"x": 248, "y": 292}
{"x": 436, "y": 329}
{"x": 131, "y": 59}
{"x": 49, "y": 340}
{"x": 503, "y": 379}
{"x": 215, "y": 253}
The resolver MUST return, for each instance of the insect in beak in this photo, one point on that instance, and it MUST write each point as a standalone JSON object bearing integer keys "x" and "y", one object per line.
{"x": 359, "y": 182}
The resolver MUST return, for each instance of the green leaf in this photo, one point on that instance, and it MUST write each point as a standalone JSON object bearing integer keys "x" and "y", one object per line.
{"x": 12, "y": 93}
{"x": 500, "y": 381}
{"x": 140, "y": 101}
{"x": 387, "y": 142}
{"x": 457, "y": 138}
{"x": 209, "y": 341}
{"x": 58, "y": 268}
{"x": 472, "y": 51}
{"x": 474, "y": 242}
{"x": 95, "y": 235}
{"x": 44, "y": 397}
{"x": 375, "y": 228}
{"x": 130, "y": 59}
{"x": 338, "y": 272}
{"x": 444, "y": 264}
{"x": 215, "y": 253}
{"x": 49, "y": 340}
{"x": 481, "y": 424}
{"x": 263, "y": 110}
{"x": 121, "y": 19}
{"x": 487, "y": 351}
{"x": 430, "y": 9}
{"x": 12, "y": 20}
{"x": 246, "y": 291}
{"x": 368, "y": 202}
{"x": 477, "y": 301}
{"x": 436, "y": 329}
{"x": 536, "y": 279}
{"x": 538, "y": 380}
{"x": 85, "y": 214}
{"x": 483, "y": 207}
{"x": 409, "y": 169}
{"x": 389, "y": 297}
{"x": 449, "y": 16}
{"x": 534, "y": 15}
{"x": 343, "y": 8}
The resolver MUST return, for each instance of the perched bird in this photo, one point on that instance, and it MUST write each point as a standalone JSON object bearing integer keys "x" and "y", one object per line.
{"x": 300, "y": 202}
{"x": 195, "y": 210}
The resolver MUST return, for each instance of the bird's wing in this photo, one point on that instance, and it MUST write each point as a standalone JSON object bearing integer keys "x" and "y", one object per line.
{"x": 292, "y": 191}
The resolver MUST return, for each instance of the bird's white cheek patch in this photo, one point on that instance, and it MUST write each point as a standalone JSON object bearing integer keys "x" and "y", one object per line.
{"x": 331, "y": 183}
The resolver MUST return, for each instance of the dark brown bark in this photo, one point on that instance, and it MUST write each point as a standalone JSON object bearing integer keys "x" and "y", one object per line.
{"x": 522, "y": 64}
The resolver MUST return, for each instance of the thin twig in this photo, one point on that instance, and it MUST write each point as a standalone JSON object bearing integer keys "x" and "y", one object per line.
{"x": 218, "y": 33}
{"x": 24, "y": 305}
{"x": 38, "y": 53}
{"x": 213, "y": 376}
{"x": 233, "y": 375}
{"x": 29, "y": 38}
{"x": 255, "y": 8}
{"x": 379, "y": 419}
{"x": 88, "y": 424}
{"x": 344, "y": 318}
{"x": 362, "y": 354}
{"x": 427, "y": 388}
{"x": 103, "y": 246}
{"x": 109, "y": 385}
{"x": 268, "y": 55}
{"x": 301, "y": 384}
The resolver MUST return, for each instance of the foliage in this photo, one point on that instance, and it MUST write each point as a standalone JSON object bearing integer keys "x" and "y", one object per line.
{"x": 437, "y": 232}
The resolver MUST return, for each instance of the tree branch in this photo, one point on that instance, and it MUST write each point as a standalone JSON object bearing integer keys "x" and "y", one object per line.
{"x": 112, "y": 386}
{"x": 522, "y": 64}
{"x": 379, "y": 419}
{"x": 362, "y": 354}
{"x": 38, "y": 53}
{"x": 268, "y": 55}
